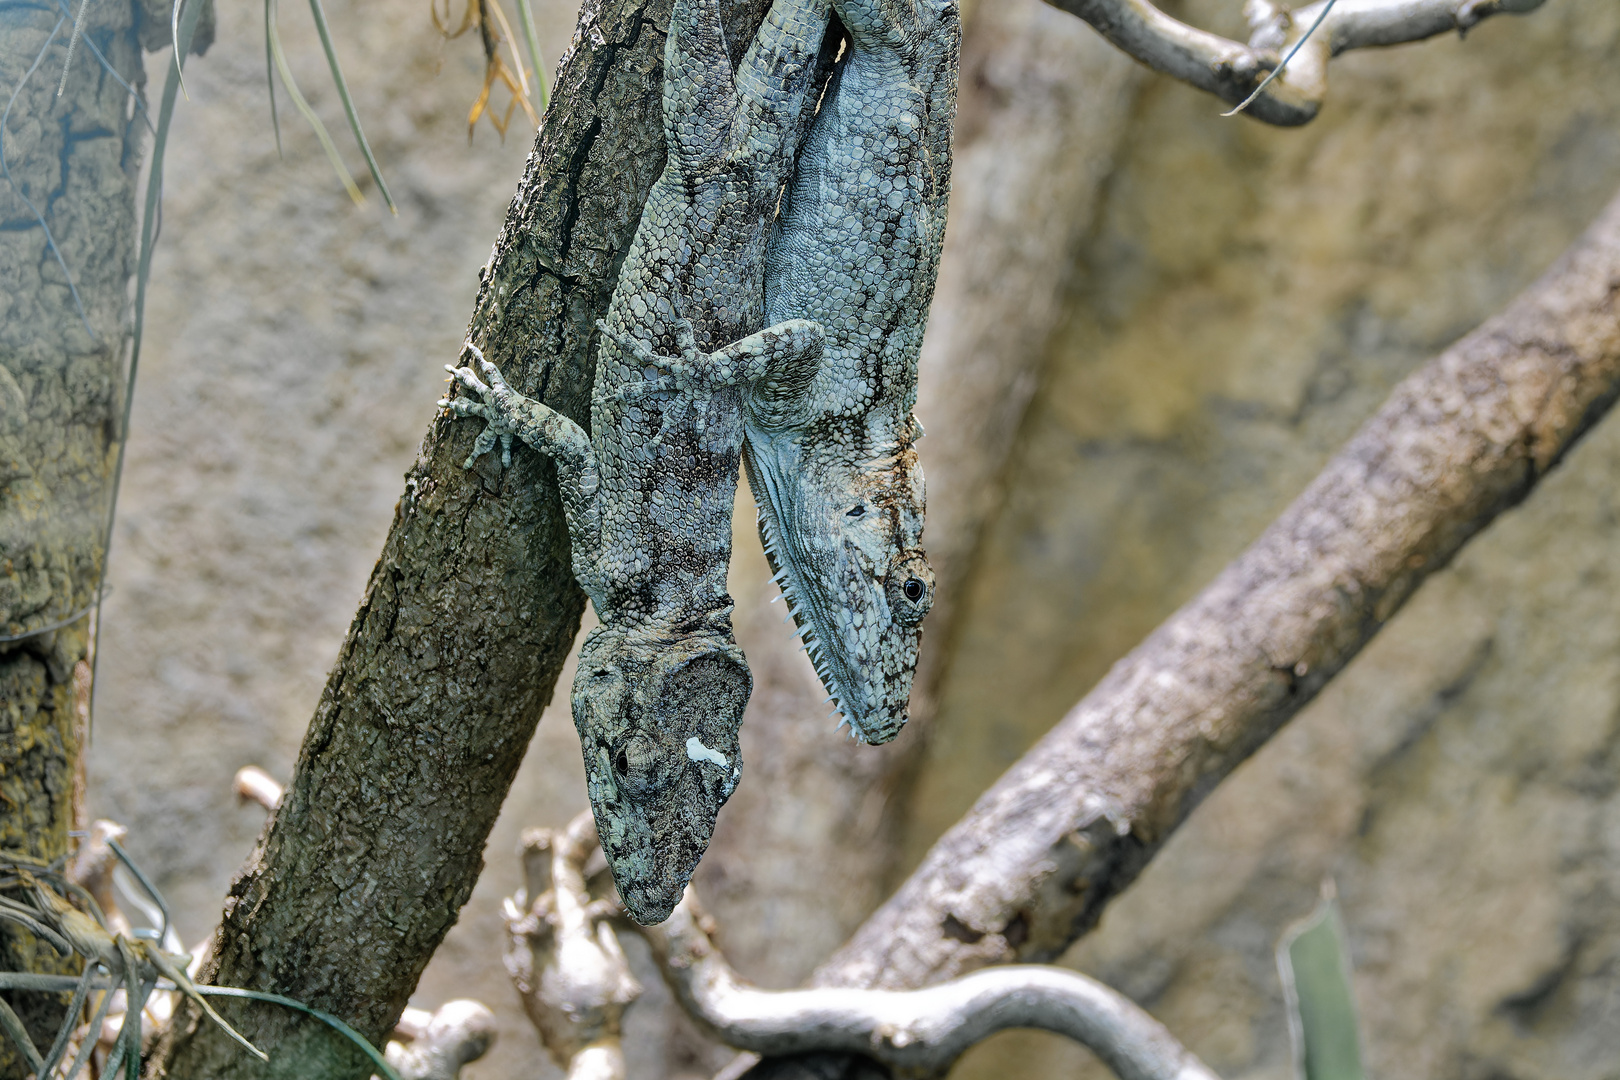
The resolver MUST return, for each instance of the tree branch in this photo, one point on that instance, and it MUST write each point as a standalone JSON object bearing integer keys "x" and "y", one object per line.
{"x": 1232, "y": 70}
{"x": 920, "y": 1031}
{"x": 575, "y": 984}
{"x": 1034, "y": 863}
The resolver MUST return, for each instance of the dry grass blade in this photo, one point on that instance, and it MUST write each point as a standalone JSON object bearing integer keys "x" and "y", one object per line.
{"x": 517, "y": 61}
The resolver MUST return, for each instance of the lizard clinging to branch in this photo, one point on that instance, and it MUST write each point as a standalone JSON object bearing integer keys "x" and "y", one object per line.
{"x": 857, "y": 251}
{"x": 661, "y": 685}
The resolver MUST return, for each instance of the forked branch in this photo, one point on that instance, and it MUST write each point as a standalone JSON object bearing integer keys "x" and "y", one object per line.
{"x": 1231, "y": 70}
{"x": 576, "y": 985}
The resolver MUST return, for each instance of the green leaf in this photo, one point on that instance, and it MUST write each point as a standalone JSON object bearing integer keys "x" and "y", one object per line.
{"x": 1315, "y": 967}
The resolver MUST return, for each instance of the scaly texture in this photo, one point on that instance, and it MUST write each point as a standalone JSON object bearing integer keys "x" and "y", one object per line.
{"x": 661, "y": 685}
{"x": 857, "y": 251}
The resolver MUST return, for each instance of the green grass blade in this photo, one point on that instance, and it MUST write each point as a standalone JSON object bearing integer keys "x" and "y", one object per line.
{"x": 174, "y": 36}
{"x": 348, "y": 102}
{"x": 70, "y": 1021}
{"x": 12, "y": 1025}
{"x": 532, "y": 40}
{"x": 1278, "y": 70}
{"x": 143, "y": 272}
{"x": 146, "y": 883}
{"x": 88, "y": 1047}
{"x": 270, "y": 80}
{"x": 385, "y": 1070}
{"x": 302, "y": 106}
{"x": 1315, "y": 967}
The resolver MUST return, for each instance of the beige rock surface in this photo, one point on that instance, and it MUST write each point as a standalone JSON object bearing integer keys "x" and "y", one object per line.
{"x": 1246, "y": 299}
{"x": 1241, "y": 299}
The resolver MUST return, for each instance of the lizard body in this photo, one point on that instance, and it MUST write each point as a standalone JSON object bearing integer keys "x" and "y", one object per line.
{"x": 856, "y": 250}
{"x": 661, "y": 685}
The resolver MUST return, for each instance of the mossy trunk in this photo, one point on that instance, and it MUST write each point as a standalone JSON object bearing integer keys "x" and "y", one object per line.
{"x": 66, "y": 255}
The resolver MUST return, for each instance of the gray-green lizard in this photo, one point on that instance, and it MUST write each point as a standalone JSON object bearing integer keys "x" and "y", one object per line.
{"x": 856, "y": 250}
{"x": 661, "y": 684}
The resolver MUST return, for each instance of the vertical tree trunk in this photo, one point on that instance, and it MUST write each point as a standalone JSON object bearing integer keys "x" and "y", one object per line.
{"x": 67, "y": 251}
{"x": 466, "y": 620}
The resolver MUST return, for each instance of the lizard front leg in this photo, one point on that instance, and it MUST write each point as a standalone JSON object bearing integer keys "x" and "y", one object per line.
{"x": 786, "y": 357}
{"x": 508, "y": 413}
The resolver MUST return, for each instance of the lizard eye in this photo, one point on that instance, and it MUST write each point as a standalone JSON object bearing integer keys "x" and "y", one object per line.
{"x": 856, "y": 511}
{"x": 637, "y": 762}
{"x": 910, "y": 585}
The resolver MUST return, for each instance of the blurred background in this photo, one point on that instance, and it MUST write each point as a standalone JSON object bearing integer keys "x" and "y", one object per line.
{"x": 1166, "y": 321}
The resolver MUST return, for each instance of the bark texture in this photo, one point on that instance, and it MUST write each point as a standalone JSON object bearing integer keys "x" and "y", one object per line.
{"x": 1041, "y": 854}
{"x": 72, "y": 164}
{"x": 467, "y": 618}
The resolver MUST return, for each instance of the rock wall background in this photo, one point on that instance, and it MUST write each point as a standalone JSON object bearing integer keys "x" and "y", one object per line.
{"x": 1242, "y": 299}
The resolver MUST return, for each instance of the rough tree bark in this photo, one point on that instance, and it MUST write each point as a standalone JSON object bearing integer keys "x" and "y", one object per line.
{"x": 1467, "y": 437}
{"x": 467, "y": 617}
{"x": 67, "y": 253}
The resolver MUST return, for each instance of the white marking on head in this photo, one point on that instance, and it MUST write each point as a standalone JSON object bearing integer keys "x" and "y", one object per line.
{"x": 698, "y": 752}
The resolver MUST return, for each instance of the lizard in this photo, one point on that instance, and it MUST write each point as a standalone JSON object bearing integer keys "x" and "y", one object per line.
{"x": 661, "y": 684}
{"x": 856, "y": 249}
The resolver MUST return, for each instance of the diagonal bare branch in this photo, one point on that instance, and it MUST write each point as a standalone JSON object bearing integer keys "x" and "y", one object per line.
{"x": 1038, "y": 858}
{"x": 1231, "y": 70}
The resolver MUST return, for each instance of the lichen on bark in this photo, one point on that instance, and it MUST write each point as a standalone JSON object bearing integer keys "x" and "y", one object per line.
{"x": 66, "y": 254}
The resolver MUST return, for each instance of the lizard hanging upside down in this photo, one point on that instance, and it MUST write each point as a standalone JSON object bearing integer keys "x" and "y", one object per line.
{"x": 661, "y": 685}
{"x": 857, "y": 250}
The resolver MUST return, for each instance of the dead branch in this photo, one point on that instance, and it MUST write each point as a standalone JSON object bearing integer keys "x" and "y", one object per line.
{"x": 563, "y": 956}
{"x": 435, "y": 1046}
{"x": 576, "y": 985}
{"x": 253, "y": 784}
{"x": 919, "y": 1031}
{"x": 1232, "y": 70}
{"x": 1034, "y": 863}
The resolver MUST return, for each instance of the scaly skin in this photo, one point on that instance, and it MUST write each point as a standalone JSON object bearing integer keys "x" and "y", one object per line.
{"x": 661, "y": 686}
{"x": 857, "y": 251}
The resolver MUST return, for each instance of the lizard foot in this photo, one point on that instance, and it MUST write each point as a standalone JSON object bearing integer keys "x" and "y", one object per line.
{"x": 493, "y": 406}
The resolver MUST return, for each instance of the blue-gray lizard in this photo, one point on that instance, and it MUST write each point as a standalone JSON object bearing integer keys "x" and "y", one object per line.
{"x": 661, "y": 685}
{"x": 856, "y": 250}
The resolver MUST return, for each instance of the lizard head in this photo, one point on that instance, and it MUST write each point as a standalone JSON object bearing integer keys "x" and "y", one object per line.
{"x": 844, "y": 538}
{"x": 658, "y": 716}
